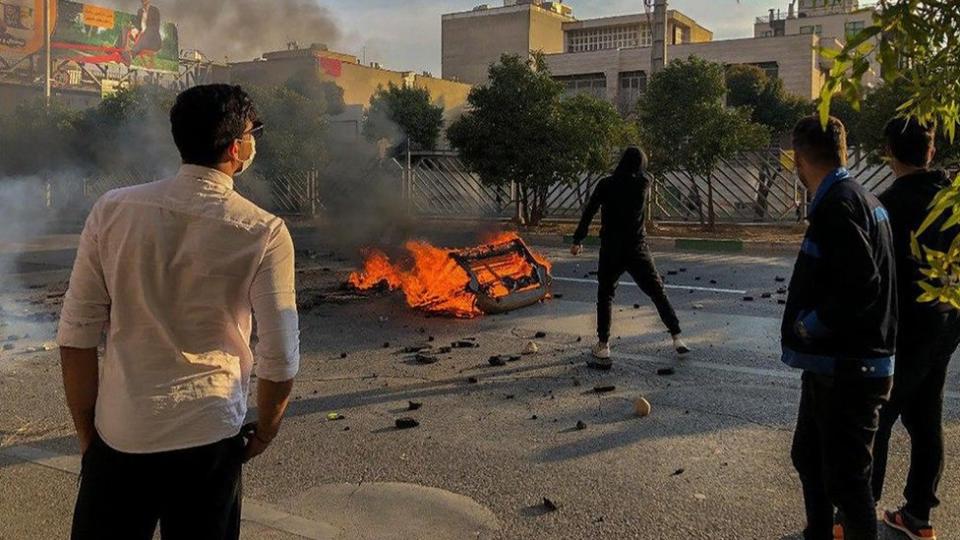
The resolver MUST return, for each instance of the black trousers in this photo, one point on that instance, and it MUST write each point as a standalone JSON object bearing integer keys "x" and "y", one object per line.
{"x": 192, "y": 493}
{"x": 925, "y": 344}
{"x": 833, "y": 452}
{"x": 638, "y": 262}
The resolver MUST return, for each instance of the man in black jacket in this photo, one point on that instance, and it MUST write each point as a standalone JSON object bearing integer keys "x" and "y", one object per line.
{"x": 839, "y": 327}
{"x": 928, "y": 333}
{"x": 623, "y": 248}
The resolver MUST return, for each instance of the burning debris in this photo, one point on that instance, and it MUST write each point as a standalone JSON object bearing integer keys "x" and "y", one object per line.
{"x": 499, "y": 276}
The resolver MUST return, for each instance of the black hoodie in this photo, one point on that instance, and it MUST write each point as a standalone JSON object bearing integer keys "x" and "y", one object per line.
{"x": 908, "y": 203}
{"x": 623, "y": 199}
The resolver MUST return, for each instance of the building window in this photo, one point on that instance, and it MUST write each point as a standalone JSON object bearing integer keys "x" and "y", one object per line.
{"x": 853, "y": 28}
{"x": 612, "y": 37}
{"x": 813, "y": 29}
{"x": 594, "y": 84}
{"x": 632, "y": 85}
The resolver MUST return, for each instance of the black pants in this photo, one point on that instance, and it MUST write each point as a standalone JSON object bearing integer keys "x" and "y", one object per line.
{"x": 192, "y": 493}
{"x": 833, "y": 452}
{"x": 925, "y": 344}
{"x": 638, "y": 262}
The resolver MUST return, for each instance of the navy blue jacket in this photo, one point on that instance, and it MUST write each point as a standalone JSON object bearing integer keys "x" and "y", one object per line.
{"x": 843, "y": 289}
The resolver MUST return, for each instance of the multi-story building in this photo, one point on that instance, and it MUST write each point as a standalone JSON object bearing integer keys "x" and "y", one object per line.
{"x": 358, "y": 81}
{"x": 610, "y": 57}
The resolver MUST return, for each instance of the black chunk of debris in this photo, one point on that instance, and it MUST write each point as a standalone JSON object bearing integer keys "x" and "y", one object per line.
{"x": 509, "y": 396}
{"x": 540, "y": 335}
{"x": 683, "y": 269}
{"x": 343, "y": 355}
{"x": 415, "y": 348}
{"x": 386, "y": 344}
{"x": 671, "y": 272}
{"x": 579, "y": 339}
{"x": 782, "y": 290}
{"x": 406, "y": 423}
{"x": 593, "y": 272}
{"x": 678, "y": 472}
{"x": 748, "y": 299}
{"x": 782, "y": 302}
{"x": 581, "y": 425}
{"x": 9, "y": 347}
{"x": 557, "y": 296}
{"x": 473, "y": 380}
{"x": 551, "y": 506}
{"x": 534, "y": 417}
{"x": 585, "y": 276}
{"x": 780, "y": 279}
{"x": 713, "y": 282}
{"x": 13, "y": 338}
{"x": 636, "y": 306}
{"x": 497, "y": 360}
{"x": 464, "y": 344}
{"x": 513, "y": 357}
{"x": 424, "y": 358}
{"x": 430, "y": 339}
{"x": 666, "y": 371}
{"x": 347, "y": 428}
{"x": 766, "y": 295}
{"x": 414, "y": 405}
{"x": 696, "y": 278}
{"x": 603, "y": 389}
{"x": 445, "y": 350}
{"x": 576, "y": 382}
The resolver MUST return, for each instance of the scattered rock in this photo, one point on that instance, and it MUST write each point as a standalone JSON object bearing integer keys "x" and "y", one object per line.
{"x": 698, "y": 306}
{"x": 343, "y": 355}
{"x": 465, "y": 344}
{"x": 9, "y": 346}
{"x": 414, "y": 405}
{"x": 671, "y": 272}
{"x": 540, "y": 335}
{"x": 383, "y": 319}
{"x": 677, "y": 472}
{"x": 557, "y": 296}
{"x": 696, "y": 278}
{"x": 415, "y": 348}
{"x": 641, "y": 407}
{"x": 333, "y": 417}
{"x": 425, "y": 358}
{"x": 636, "y": 306}
{"x": 713, "y": 282}
{"x": 534, "y": 417}
{"x": 782, "y": 302}
{"x": 576, "y": 382}
{"x": 782, "y": 290}
{"x": 497, "y": 360}
{"x": 531, "y": 348}
{"x": 445, "y": 350}
{"x": 509, "y": 396}
{"x": 430, "y": 339}
{"x": 406, "y": 423}
{"x": 666, "y": 371}
{"x": 581, "y": 425}
{"x": 604, "y": 389}
{"x": 699, "y": 496}
{"x": 13, "y": 338}
{"x": 551, "y": 506}
{"x": 766, "y": 295}
{"x": 579, "y": 339}
{"x": 683, "y": 270}
{"x": 780, "y": 279}
{"x": 748, "y": 299}
{"x": 386, "y": 344}
{"x": 472, "y": 380}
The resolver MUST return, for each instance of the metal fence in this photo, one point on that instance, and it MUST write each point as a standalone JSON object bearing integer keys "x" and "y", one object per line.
{"x": 754, "y": 187}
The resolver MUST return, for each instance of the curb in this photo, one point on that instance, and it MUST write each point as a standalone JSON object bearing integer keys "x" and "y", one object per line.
{"x": 708, "y": 245}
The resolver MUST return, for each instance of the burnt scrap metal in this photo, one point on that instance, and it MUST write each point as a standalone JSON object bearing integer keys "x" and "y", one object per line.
{"x": 499, "y": 260}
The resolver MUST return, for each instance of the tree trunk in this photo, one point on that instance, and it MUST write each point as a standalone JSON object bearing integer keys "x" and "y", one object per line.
{"x": 710, "y": 209}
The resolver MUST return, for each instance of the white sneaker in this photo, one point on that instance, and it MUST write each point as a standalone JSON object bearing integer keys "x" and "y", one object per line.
{"x": 601, "y": 351}
{"x": 679, "y": 345}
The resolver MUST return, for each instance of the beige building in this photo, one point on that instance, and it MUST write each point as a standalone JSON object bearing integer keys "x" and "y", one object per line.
{"x": 359, "y": 82}
{"x": 472, "y": 40}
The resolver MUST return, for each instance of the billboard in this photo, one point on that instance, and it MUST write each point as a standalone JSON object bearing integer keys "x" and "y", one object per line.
{"x": 91, "y": 34}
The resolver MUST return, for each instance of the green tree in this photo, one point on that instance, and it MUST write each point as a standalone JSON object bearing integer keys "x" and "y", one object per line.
{"x": 36, "y": 140}
{"x": 402, "y": 114}
{"x": 686, "y": 127}
{"x": 919, "y": 50}
{"x": 519, "y": 128}
{"x": 769, "y": 102}
{"x": 294, "y": 140}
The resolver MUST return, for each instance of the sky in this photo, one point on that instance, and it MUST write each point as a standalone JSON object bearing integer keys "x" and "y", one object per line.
{"x": 405, "y": 34}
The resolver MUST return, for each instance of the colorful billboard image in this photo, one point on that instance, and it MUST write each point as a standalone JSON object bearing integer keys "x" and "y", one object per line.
{"x": 21, "y": 27}
{"x": 89, "y": 34}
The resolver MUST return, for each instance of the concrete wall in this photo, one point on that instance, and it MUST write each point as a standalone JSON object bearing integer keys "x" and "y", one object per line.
{"x": 471, "y": 42}
{"x": 546, "y": 31}
{"x": 795, "y": 56}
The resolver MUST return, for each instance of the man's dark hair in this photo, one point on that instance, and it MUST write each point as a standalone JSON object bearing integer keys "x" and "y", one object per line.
{"x": 205, "y": 120}
{"x": 632, "y": 164}
{"x": 823, "y": 146}
{"x": 909, "y": 140}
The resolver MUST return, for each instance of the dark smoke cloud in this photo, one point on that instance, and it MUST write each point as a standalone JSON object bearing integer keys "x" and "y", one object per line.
{"x": 244, "y": 29}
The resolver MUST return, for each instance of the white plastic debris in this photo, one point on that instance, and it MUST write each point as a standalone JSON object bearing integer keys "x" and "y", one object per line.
{"x": 531, "y": 348}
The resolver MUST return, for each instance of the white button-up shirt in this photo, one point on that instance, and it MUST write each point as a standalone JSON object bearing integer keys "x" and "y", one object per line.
{"x": 173, "y": 271}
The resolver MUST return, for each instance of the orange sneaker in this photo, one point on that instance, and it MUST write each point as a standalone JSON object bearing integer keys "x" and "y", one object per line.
{"x": 903, "y": 522}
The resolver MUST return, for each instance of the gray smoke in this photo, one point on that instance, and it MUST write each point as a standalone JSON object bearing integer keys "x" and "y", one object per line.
{"x": 243, "y": 29}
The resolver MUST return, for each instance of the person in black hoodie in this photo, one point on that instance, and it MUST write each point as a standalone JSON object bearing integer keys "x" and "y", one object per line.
{"x": 623, "y": 248}
{"x": 839, "y": 327}
{"x": 928, "y": 333}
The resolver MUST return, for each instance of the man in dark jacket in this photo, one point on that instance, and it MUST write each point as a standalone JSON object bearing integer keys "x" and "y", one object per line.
{"x": 839, "y": 327}
{"x": 623, "y": 248}
{"x": 928, "y": 333}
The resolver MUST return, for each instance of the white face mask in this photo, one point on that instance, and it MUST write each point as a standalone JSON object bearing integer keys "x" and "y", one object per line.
{"x": 249, "y": 161}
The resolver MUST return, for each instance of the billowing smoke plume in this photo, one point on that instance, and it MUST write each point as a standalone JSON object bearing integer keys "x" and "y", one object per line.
{"x": 243, "y": 29}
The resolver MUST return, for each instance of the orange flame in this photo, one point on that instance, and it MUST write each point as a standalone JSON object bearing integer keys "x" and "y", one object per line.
{"x": 434, "y": 281}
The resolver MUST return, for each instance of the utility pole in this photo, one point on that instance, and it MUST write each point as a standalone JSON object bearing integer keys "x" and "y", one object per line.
{"x": 48, "y": 57}
{"x": 658, "y": 52}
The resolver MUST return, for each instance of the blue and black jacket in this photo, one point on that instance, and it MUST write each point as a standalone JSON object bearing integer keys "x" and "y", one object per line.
{"x": 843, "y": 289}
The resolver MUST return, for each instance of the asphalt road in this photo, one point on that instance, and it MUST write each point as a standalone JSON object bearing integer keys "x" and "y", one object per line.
{"x": 711, "y": 461}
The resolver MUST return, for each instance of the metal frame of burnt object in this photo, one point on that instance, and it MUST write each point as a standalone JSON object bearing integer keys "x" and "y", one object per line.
{"x": 523, "y": 292}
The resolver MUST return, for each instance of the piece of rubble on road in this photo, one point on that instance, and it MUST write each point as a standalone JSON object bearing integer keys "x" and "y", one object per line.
{"x": 531, "y": 348}
{"x": 603, "y": 389}
{"x": 406, "y": 423}
{"x": 641, "y": 407}
{"x": 425, "y": 358}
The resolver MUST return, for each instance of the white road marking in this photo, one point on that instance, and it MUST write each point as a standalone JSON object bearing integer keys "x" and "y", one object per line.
{"x": 680, "y": 287}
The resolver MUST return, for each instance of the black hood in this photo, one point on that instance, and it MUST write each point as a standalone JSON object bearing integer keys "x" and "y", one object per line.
{"x": 632, "y": 164}
{"x": 926, "y": 182}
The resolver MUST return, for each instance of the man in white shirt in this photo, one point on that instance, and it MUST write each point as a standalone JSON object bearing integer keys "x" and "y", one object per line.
{"x": 173, "y": 271}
